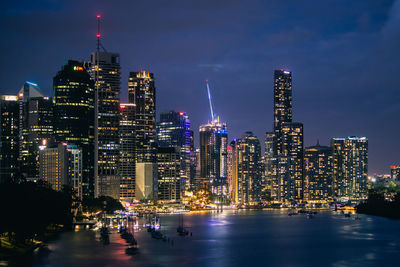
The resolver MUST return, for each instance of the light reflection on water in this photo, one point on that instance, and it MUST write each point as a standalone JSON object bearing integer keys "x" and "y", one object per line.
{"x": 240, "y": 238}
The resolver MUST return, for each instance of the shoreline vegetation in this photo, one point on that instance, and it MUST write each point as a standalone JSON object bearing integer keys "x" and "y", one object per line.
{"x": 377, "y": 205}
{"x": 34, "y": 213}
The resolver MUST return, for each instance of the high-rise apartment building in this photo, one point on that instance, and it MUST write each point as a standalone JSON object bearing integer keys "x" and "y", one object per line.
{"x": 293, "y": 149}
{"x": 105, "y": 71}
{"x": 350, "y": 167}
{"x": 9, "y": 138}
{"x": 282, "y": 104}
{"x": 247, "y": 173}
{"x": 73, "y": 103}
{"x": 36, "y": 127}
{"x": 318, "y": 174}
{"x": 127, "y": 161}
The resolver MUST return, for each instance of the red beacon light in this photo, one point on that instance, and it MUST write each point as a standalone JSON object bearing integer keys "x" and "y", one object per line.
{"x": 181, "y": 113}
{"x": 98, "y": 35}
{"x": 98, "y": 16}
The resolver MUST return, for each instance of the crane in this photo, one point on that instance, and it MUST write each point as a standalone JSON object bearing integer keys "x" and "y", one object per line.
{"x": 209, "y": 101}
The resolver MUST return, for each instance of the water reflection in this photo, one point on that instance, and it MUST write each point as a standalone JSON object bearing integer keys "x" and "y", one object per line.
{"x": 240, "y": 238}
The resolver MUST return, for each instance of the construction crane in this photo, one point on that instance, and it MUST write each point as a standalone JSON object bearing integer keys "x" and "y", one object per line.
{"x": 210, "y": 102}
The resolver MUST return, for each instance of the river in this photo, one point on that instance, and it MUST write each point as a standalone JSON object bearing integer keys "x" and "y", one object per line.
{"x": 240, "y": 238}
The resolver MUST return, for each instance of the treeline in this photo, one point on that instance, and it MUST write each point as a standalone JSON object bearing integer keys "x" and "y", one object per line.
{"x": 378, "y": 206}
{"x": 28, "y": 210}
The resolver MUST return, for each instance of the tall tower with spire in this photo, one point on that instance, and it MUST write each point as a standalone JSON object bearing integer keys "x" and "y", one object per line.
{"x": 105, "y": 68}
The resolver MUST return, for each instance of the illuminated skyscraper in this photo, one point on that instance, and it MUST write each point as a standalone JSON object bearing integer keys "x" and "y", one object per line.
{"x": 293, "y": 149}
{"x": 36, "y": 127}
{"x": 282, "y": 104}
{"x": 169, "y": 171}
{"x": 230, "y": 169}
{"x": 142, "y": 93}
{"x": 213, "y": 157}
{"x": 127, "y": 162}
{"x": 61, "y": 165}
{"x": 350, "y": 166}
{"x": 105, "y": 71}
{"x": 318, "y": 171}
{"x": 246, "y": 170}
{"x": 270, "y": 184}
{"x": 9, "y": 138}
{"x": 74, "y": 116}
{"x": 173, "y": 130}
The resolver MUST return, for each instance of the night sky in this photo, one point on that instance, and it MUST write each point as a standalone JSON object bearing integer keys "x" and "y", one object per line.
{"x": 344, "y": 56}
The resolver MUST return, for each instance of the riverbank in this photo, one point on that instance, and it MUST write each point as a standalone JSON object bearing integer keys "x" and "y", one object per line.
{"x": 377, "y": 205}
{"x": 8, "y": 250}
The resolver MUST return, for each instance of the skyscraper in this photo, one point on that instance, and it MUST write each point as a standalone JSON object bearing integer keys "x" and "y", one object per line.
{"x": 142, "y": 93}
{"x": 318, "y": 171}
{"x": 270, "y": 184}
{"x": 127, "y": 162}
{"x": 293, "y": 149}
{"x": 74, "y": 116}
{"x": 105, "y": 71}
{"x": 169, "y": 171}
{"x": 282, "y": 104}
{"x": 173, "y": 130}
{"x": 247, "y": 173}
{"x": 60, "y": 165}
{"x": 285, "y": 161}
{"x": 36, "y": 127}
{"x": 9, "y": 138}
{"x": 350, "y": 166}
{"x": 213, "y": 157}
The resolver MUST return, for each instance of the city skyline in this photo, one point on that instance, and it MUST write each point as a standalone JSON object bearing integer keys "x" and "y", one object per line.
{"x": 350, "y": 114}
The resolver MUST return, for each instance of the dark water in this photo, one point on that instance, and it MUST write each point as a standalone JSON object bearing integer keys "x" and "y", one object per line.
{"x": 243, "y": 238}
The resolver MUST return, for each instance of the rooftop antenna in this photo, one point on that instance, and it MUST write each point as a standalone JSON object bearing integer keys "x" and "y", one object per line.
{"x": 98, "y": 35}
{"x": 209, "y": 101}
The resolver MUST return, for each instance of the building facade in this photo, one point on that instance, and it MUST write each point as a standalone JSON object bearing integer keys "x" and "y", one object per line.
{"x": 169, "y": 174}
{"x": 173, "y": 130}
{"x": 127, "y": 161}
{"x": 350, "y": 167}
{"x": 142, "y": 93}
{"x": 105, "y": 71}
{"x": 74, "y": 103}
{"x": 36, "y": 127}
{"x": 61, "y": 165}
{"x": 282, "y": 105}
{"x": 247, "y": 173}
{"x": 9, "y": 138}
{"x": 213, "y": 157}
{"x": 293, "y": 150}
{"x": 318, "y": 174}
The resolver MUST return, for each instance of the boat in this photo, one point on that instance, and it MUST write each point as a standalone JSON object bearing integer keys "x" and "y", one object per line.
{"x": 157, "y": 235}
{"x": 181, "y": 229}
{"x": 131, "y": 250}
{"x": 347, "y": 215}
